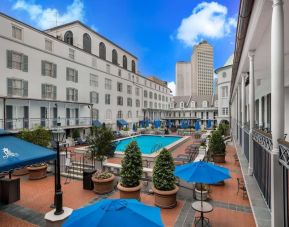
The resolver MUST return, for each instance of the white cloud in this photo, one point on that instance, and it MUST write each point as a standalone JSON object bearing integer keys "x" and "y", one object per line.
{"x": 172, "y": 86}
{"x": 208, "y": 20}
{"x": 46, "y": 17}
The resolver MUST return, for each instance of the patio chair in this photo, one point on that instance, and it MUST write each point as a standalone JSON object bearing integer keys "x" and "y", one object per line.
{"x": 242, "y": 187}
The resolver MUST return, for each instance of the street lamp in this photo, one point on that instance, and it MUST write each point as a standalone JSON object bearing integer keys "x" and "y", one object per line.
{"x": 58, "y": 136}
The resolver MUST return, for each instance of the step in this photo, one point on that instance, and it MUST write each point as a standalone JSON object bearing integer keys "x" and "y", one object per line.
{"x": 73, "y": 176}
{"x": 73, "y": 163}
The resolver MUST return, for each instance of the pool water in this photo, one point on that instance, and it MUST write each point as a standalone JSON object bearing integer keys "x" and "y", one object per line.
{"x": 148, "y": 144}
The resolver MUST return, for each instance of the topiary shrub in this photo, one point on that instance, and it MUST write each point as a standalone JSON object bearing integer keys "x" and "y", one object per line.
{"x": 163, "y": 172}
{"x": 217, "y": 145}
{"x": 132, "y": 169}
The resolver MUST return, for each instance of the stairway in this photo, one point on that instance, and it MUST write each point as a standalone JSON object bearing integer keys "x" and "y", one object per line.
{"x": 75, "y": 170}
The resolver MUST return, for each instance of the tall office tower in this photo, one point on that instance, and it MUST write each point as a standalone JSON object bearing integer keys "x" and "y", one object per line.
{"x": 183, "y": 78}
{"x": 202, "y": 69}
{"x": 196, "y": 77}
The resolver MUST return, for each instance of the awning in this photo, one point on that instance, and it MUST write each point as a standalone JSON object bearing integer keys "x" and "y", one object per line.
{"x": 96, "y": 123}
{"x": 17, "y": 153}
{"x": 121, "y": 122}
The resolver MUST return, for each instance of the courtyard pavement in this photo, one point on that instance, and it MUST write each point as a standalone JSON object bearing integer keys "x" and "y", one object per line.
{"x": 230, "y": 209}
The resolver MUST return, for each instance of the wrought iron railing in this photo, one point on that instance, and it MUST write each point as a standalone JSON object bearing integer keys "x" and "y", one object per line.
{"x": 246, "y": 142}
{"x": 284, "y": 153}
{"x": 263, "y": 138}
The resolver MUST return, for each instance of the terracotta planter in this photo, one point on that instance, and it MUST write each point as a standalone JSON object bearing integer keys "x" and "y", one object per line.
{"x": 201, "y": 195}
{"x": 219, "y": 158}
{"x": 129, "y": 193}
{"x": 103, "y": 186}
{"x": 165, "y": 199}
{"x": 36, "y": 173}
{"x": 20, "y": 172}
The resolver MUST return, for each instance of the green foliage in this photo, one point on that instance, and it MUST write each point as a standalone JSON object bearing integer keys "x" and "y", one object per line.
{"x": 131, "y": 170}
{"x": 163, "y": 173}
{"x": 102, "y": 175}
{"x": 224, "y": 129}
{"x": 101, "y": 144}
{"x": 217, "y": 145}
{"x": 75, "y": 134}
{"x": 203, "y": 144}
{"x": 39, "y": 136}
{"x": 126, "y": 129}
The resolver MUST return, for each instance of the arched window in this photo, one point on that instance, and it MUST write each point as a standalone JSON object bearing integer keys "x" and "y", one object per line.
{"x": 68, "y": 37}
{"x": 86, "y": 42}
{"x": 129, "y": 115}
{"x": 133, "y": 66}
{"x": 114, "y": 57}
{"x": 124, "y": 62}
{"x": 102, "y": 51}
{"x": 119, "y": 114}
{"x": 108, "y": 114}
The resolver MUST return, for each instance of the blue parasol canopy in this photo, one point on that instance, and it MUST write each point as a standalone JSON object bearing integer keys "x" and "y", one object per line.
{"x": 197, "y": 125}
{"x": 209, "y": 124}
{"x": 115, "y": 213}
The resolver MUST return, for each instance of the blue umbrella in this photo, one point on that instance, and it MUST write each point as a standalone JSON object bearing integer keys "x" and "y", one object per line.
{"x": 182, "y": 124}
{"x": 114, "y": 213}
{"x": 170, "y": 123}
{"x": 134, "y": 127}
{"x": 197, "y": 125}
{"x": 209, "y": 123}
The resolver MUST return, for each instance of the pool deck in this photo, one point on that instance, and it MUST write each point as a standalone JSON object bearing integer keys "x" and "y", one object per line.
{"x": 229, "y": 210}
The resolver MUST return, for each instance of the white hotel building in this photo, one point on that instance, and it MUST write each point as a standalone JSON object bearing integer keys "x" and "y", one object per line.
{"x": 73, "y": 75}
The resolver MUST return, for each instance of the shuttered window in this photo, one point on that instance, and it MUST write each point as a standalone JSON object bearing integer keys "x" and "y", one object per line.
{"x": 137, "y": 103}
{"x": 129, "y": 102}
{"x": 48, "y": 69}
{"x": 107, "y": 99}
{"x": 71, "y": 94}
{"x": 17, "y": 87}
{"x": 72, "y": 75}
{"x": 16, "y": 60}
{"x": 129, "y": 89}
{"x": 48, "y": 91}
{"x": 94, "y": 97}
{"x": 93, "y": 80}
{"x": 119, "y": 100}
{"x": 107, "y": 84}
{"x": 16, "y": 32}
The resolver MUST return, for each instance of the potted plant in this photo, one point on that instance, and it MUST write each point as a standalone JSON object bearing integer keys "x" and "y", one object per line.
{"x": 201, "y": 191}
{"x": 164, "y": 187}
{"x": 101, "y": 146}
{"x": 131, "y": 173}
{"x": 217, "y": 147}
{"x": 37, "y": 171}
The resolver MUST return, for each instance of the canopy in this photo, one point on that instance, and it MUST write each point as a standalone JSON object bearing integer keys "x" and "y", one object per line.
{"x": 197, "y": 125}
{"x": 209, "y": 124}
{"x": 115, "y": 213}
{"x": 183, "y": 124}
{"x": 121, "y": 122}
{"x": 147, "y": 122}
{"x": 96, "y": 123}
{"x": 202, "y": 172}
{"x": 157, "y": 123}
{"x": 17, "y": 153}
{"x": 142, "y": 124}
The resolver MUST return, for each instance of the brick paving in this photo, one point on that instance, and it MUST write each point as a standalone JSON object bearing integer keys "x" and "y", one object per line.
{"x": 230, "y": 209}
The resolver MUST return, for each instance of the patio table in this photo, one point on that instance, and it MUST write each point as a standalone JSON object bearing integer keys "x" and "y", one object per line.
{"x": 202, "y": 207}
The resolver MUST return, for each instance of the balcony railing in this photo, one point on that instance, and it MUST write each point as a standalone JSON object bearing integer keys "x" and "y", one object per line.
{"x": 246, "y": 142}
{"x": 284, "y": 153}
{"x": 25, "y": 123}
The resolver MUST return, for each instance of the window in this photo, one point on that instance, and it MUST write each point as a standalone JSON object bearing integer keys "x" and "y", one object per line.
{"x": 151, "y": 104}
{"x": 107, "y": 84}
{"x": 160, "y": 97}
{"x": 160, "y": 106}
{"x": 72, "y": 75}
{"x": 48, "y": 45}
{"x": 136, "y": 113}
{"x": 114, "y": 57}
{"x": 93, "y": 80}
{"x": 224, "y": 91}
{"x": 119, "y": 72}
{"x": 119, "y": 100}
{"x": 86, "y": 42}
{"x": 94, "y": 62}
{"x": 17, "y": 60}
{"x": 163, "y": 98}
{"x": 124, "y": 62}
{"x": 48, "y": 69}
{"x": 129, "y": 89}
{"x": 119, "y": 114}
{"x": 133, "y": 66}
{"x": 94, "y": 97}
{"x": 137, "y": 79}
{"x": 193, "y": 104}
{"x": 102, "y": 51}
{"x": 156, "y": 105}
{"x": 107, "y": 68}
{"x": 145, "y": 104}
{"x": 68, "y": 37}
{"x": 119, "y": 86}
{"x": 224, "y": 74}
{"x": 71, "y": 53}
{"x": 129, "y": 114}
{"x": 151, "y": 95}
{"x": 95, "y": 114}
{"x": 137, "y": 91}
{"x": 48, "y": 91}
{"x": 107, "y": 99}
{"x": 182, "y": 105}
{"x": 108, "y": 114}
{"x": 17, "y": 87}
{"x": 155, "y": 96}
{"x": 129, "y": 102}
{"x": 225, "y": 111}
{"x": 205, "y": 103}
{"x": 16, "y": 32}
{"x": 71, "y": 94}
{"x": 145, "y": 93}
{"x": 137, "y": 103}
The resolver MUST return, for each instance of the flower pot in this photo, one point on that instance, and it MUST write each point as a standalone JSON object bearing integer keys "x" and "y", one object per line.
{"x": 129, "y": 193}
{"x": 165, "y": 199}
{"x": 20, "y": 172}
{"x": 219, "y": 158}
{"x": 201, "y": 195}
{"x": 38, "y": 172}
{"x": 103, "y": 186}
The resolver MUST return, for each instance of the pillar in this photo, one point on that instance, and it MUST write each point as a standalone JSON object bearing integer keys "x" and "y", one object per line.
{"x": 243, "y": 103}
{"x": 252, "y": 110}
{"x": 277, "y": 102}
{"x": 239, "y": 112}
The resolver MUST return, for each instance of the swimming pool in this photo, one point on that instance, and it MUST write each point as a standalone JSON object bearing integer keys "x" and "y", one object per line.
{"x": 148, "y": 144}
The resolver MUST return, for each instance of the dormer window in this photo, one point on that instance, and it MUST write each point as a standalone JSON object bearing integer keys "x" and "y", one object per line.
{"x": 86, "y": 43}
{"x": 68, "y": 37}
{"x": 182, "y": 105}
{"x": 205, "y": 103}
{"x": 193, "y": 104}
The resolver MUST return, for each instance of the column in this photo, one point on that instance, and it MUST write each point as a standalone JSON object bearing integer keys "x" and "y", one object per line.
{"x": 277, "y": 102}
{"x": 252, "y": 110}
{"x": 243, "y": 103}
{"x": 239, "y": 112}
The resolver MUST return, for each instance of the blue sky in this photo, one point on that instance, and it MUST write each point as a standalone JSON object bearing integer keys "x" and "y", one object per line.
{"x": 158, "y": 32}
